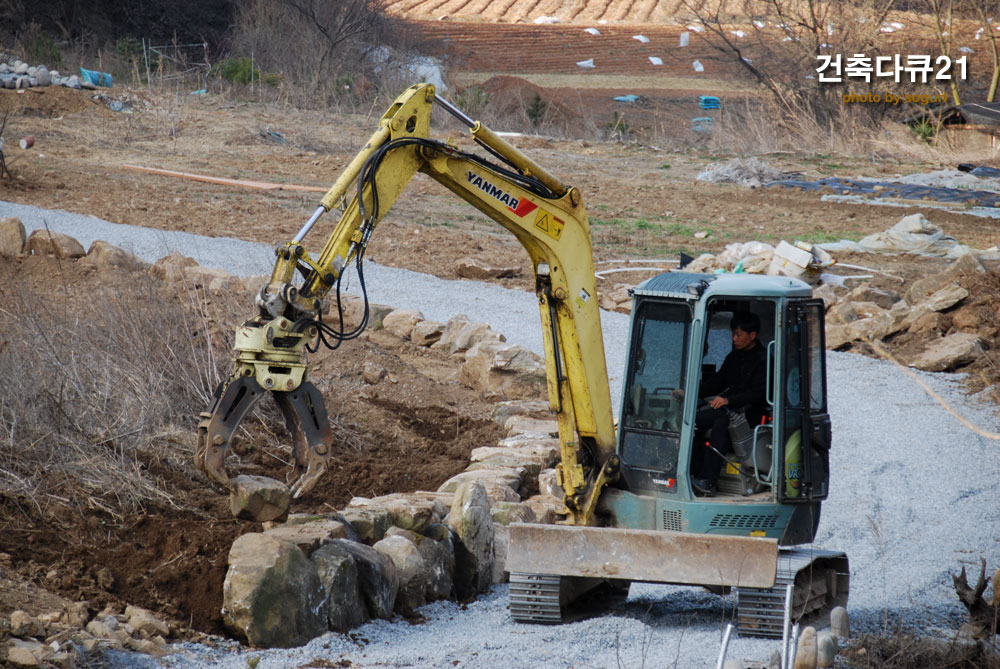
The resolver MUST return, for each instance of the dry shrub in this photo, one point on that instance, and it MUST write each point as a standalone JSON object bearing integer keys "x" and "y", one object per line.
{"x": 96, "y": 381}
{"x": 325, "y": 53}
{"x": 904, "y": 652}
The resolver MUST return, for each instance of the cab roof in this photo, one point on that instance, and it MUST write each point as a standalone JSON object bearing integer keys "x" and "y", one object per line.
{"x": 690, "y": 286}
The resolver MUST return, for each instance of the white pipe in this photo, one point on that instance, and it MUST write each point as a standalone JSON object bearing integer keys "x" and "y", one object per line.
{"x": 793, "y": 646}
{"x": 629, "y": 269}
{"x": 725, "y": 645}
{"x": 784, "y": 632}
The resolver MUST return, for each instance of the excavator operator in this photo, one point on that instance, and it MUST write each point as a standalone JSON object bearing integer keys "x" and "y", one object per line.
{"x": 739, "y": 385}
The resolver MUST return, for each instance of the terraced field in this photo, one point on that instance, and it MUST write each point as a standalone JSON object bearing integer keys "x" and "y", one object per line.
{"x": 574, "y": 11}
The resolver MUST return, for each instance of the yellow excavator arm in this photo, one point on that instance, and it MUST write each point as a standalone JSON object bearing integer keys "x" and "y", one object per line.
{"x": 547, "y": 217}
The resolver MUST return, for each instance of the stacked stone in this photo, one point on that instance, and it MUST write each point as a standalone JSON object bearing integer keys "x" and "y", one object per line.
{"x": 18, "y": 75}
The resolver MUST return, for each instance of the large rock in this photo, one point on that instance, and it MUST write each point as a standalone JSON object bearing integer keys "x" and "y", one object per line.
{"x": 805, "y": 650}
{"x": 146, "y": 622}
{"x": 409, "y": 511}
{"x": 461, "y": 334}
{"x": 426, "y": 333}
{"x": 921, "y": 288}
{"x": 472, "y": 268}
{"x": 106, "y": 257}
{"x": 411, "y": 569}
{"x": 545, "y": 507}
{"x": 530, "y": 408}
{"x": 272, "y": 595}
{"x": 507, "y": 477}
{"x": 438, "y": 550}
{"x": 370, "y": 523}
{"x": 12, "y": 236}
{"x": 400, "y": 322}
{"x": 868, "y": 293}
{"x": 309, "y": 537}
{"x": 505, "y": 513}
{"x": 377, "y": 578}
{"x": 258, "y": 498}
{"x": 953, "y": 351}
{"x": 516, "y": 425}
{"x": 470, "y": 516}
{"x": 543, "y": 456}
{"x": 44, "y": 242}
{"x": 512, "y": 370}
{"x": 171, "y": 267}
{"x": 339, "y": 575}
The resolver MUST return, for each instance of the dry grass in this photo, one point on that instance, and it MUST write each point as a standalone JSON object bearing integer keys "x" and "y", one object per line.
{"x": 95, "y": 387}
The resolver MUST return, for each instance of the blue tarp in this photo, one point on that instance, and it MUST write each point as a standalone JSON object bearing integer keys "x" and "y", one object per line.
{"x": 96, "y": 78}
{"x": 709, "y": 102}
{"x": 627, "y": 98}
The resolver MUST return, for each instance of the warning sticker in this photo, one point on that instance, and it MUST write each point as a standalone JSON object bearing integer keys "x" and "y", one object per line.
{"x": 549, "y": 224}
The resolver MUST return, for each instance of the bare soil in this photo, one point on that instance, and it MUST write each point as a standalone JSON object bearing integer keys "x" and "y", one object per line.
{"x": 416, "y": 427}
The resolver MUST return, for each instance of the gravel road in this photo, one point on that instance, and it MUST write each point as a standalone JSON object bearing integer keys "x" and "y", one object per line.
{"x": 913, "y": 497}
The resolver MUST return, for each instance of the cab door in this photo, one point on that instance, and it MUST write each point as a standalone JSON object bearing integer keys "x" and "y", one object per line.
{"x": 800, "y": 395}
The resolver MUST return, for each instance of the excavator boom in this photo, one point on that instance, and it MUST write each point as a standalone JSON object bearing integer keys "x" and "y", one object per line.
{"x": 547, "y": 217}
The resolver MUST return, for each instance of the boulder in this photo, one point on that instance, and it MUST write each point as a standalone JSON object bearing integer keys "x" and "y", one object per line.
{"x": 400, "y": 322}
{"x": 409, "y": 511}
{"x": 106, "y": 257}
{"x": 531, "y": 439}
{"x": 369, "y": 523}
{"x": 372, "y": 372}
{"x": 45, "y": 242}
{"x": 426, "y": 333}
{"x": 378, "y": 581}
{"x": 171, "y": 268}
{"x": 505, "y": 513}
{"x": 512, "y": 370}
{"x": 258, "y": 498}
{"x": 506, "y": 477}
{"x": 497, "y": 492}
{"x": 24, "y": 624}
{"x": 840, "y": 626}
{"x": 197, "y": 276}
{"x": 805, "y": 649}
{"x": 338, "y": 574}
{"x": 460, "y": 335}
{"x": 501, "y": 542}
{"x": 952, "y": 351}
{"x": 309, "y": 537}
{"x": 516, "y": 425}
{"x": 22, "y": 653}
{"x": 472, "y": 268}
{"x": 146, "y": 622}
{"x": 43, "y": 76}
{"x": 545, "y": 508}
{"x": 826, "y": 650}
{"x": 530, "y": 408}
{"x": 470, "y": 516}
{"x": 548, "y": 484}
{"x": 540, "y": 456}
{"x": 12, "y": 237}
{"x": 438, "y": 550}
{"x": 272, "y": 596}
{"x": 827, "y": 293}
{"x": 921, "y": 288}
{"x": 411, "y": 569}
{"x": 868, "y": 293}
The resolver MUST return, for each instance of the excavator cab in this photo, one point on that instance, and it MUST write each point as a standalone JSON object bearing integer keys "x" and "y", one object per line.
{"x": 651, "y": 526}
{"x": 777, "y": 471}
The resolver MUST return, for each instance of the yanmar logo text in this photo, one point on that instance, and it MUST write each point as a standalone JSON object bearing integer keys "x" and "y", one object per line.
{"x": 520, "y": 207}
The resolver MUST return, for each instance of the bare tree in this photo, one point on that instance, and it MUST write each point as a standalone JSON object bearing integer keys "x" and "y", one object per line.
{"x": 778, "y": 44}
{"x": 318, "y": 46}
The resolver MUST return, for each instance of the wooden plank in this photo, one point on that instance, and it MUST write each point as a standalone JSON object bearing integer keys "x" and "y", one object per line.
{"x": 242, "y": 183}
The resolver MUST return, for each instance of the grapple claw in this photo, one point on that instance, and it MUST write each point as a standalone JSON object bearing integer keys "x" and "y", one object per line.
{"x": 305, "y": 414}
{"x": 233, "y": 400}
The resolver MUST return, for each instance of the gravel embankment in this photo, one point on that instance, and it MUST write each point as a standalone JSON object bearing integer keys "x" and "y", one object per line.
{"x": 913, "y": 498}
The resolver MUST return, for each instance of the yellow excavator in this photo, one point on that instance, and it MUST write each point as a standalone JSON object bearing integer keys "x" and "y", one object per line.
{"x": 631, "y": 513}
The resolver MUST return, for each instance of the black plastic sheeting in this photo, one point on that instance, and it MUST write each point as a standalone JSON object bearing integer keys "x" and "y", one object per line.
{"x": 888, "y": 189}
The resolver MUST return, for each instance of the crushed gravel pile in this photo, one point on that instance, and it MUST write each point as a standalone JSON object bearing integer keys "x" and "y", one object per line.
{"x": 913, "y": 498}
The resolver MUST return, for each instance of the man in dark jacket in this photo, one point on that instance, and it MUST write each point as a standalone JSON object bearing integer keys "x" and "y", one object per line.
{"x": 738, "y": 385}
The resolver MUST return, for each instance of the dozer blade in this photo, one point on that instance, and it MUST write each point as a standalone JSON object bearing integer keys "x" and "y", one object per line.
{"x": 642, "y": 555}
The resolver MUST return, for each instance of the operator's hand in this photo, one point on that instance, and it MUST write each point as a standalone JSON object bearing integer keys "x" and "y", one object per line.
{"x": 718, "y": 402}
